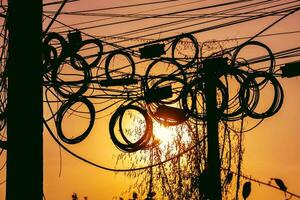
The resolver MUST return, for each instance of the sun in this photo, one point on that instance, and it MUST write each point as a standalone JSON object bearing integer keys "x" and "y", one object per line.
{"x": 167, "y": 136}
{"x": 164, "y": 134}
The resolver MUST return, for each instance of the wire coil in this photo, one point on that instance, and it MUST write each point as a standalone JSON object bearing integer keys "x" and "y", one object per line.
{"x": 66, "y": 108}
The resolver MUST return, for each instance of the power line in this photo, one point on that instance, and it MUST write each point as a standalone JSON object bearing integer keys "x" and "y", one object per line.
{"x": 208, "y": 28}
{"x": 116, "y": 7}
{"x": 171, "y": 13}
{"x": 149, "y": 10}
{"x": 113, "y": 169}
{"x": 195, "y": 18}
{"x": 219, "y": 40}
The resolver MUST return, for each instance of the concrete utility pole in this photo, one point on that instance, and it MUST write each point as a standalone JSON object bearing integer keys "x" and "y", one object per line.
{"x": 24, "y": 119}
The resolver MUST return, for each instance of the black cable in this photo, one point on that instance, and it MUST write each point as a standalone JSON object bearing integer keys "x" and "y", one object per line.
{"x": 80, "y": 46}
{"x": 64, "y": 109}
{"x": 172, "y": 13}
{"x": 116, "y": 7}
{"x": 55, "y": 16}
{"x": 143, "y": 11}
{"x": 291, "y": 9}
{"x": 168, "y": 24}
{"x": 118, "y": 170}
{"x": 60, "y": 84}
{"x": 129, "y": 146}
{"x": 249, "y": 84}
{"x": 58, "y": 2}
{"x": 109, "y": 58}
{"x": 111, "y": 44}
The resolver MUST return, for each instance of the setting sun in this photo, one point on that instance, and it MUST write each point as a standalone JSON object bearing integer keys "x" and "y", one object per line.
{"x": 149, "y": 100}
{"x": 167, "y": 136}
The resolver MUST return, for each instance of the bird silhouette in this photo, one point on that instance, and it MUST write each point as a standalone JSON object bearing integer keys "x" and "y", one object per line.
{"x": 246, "y": 190}
{"x": 280, "y": 184}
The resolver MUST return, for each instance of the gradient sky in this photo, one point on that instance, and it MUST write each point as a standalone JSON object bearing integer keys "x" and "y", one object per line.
{"x": 271, "y": 150}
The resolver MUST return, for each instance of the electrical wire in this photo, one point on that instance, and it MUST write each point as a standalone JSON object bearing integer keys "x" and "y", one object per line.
{"x": 112, "y": 169}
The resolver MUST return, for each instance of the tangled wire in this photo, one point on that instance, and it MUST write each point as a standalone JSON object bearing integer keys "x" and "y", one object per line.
{"x": 171, "y": 91}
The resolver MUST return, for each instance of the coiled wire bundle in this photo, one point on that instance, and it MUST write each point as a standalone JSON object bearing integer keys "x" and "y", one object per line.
{"x": 171, "y": 91}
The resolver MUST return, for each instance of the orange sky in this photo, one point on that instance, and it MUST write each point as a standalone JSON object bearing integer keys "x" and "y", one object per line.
{"x": 271, "y": 150}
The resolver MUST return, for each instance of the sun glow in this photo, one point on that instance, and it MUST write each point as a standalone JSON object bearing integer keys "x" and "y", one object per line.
{"x": 169, "y": 140}
{"x": 170, "y": 137}
{"x": 164, "y": 134}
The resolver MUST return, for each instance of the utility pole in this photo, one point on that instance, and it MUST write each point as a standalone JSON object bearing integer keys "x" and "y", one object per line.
{"x": 213, "y": 158}
{"x": 24, "y": 119}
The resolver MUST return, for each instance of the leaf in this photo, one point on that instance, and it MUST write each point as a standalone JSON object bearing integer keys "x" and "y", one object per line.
{"x": 280, "y": 184}
{"x": 134, "y": 195}
{"x": 229, "y": 178}
{"x": 246, "y": 190}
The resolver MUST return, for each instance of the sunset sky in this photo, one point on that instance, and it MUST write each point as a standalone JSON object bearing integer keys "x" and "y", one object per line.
{"x": 271, "y": 150}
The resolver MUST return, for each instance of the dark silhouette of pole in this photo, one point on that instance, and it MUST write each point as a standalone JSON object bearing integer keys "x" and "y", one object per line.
{"x": 213, "y": 158}
{"x": 24, "y": 123}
